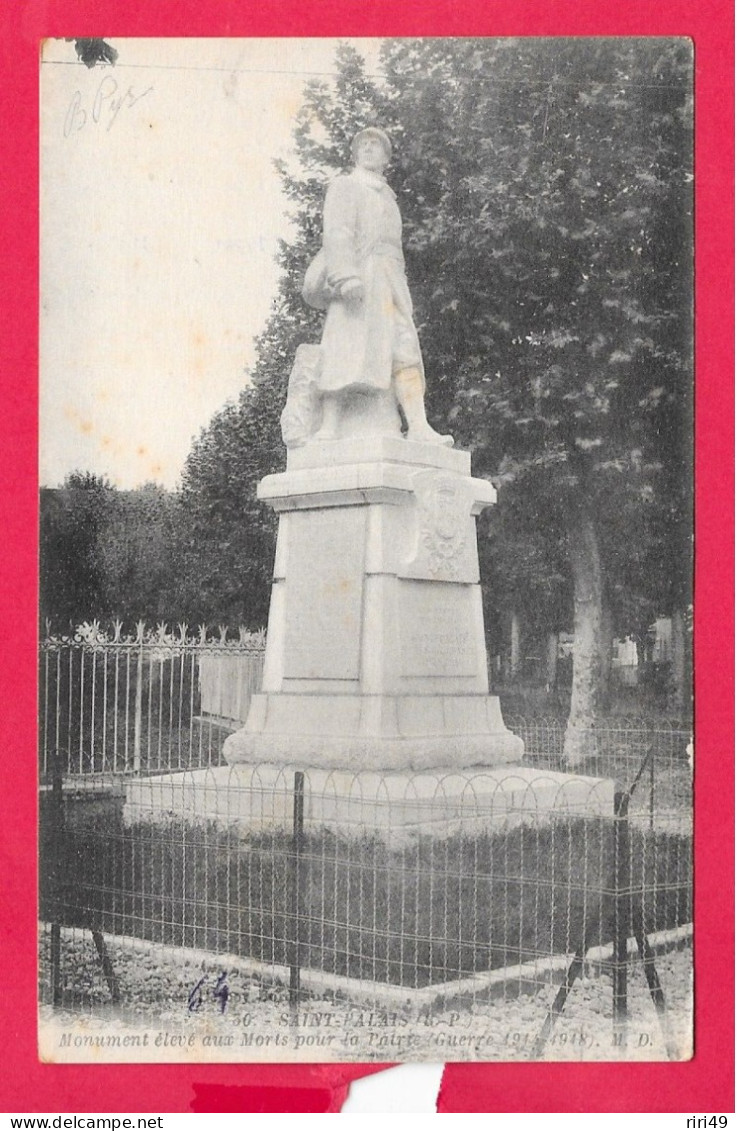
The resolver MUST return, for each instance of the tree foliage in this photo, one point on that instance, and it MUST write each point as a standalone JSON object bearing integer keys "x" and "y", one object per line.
{"x": 71, "y": 582}
{"x": 107, "y": 553}
{"x": 138, "y": 553}
{"x": 229, "y": 533}
{"x": 546, "y": 194}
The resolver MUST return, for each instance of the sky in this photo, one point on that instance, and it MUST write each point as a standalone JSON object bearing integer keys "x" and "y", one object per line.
{"x": 160, "y": 218}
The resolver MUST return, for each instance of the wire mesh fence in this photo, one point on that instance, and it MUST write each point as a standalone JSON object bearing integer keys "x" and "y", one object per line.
{"x": 653, "y": 757}
{"x": 517, "y": 902}
{"x": 532, "y": 911}
{"x": 155, "y": 700}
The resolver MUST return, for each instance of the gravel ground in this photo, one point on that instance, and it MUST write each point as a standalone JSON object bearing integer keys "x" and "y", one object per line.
{"x": 179, "y": 1000}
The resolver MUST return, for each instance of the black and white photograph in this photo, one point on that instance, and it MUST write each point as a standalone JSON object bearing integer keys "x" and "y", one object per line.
{"x": 366, "y": 550}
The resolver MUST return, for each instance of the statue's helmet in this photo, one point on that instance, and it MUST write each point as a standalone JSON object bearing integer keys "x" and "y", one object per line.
{"x": 372, "y": 131}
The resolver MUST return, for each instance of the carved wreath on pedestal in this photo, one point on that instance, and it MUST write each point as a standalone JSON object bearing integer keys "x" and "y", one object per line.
{"x": 443, "y": 525}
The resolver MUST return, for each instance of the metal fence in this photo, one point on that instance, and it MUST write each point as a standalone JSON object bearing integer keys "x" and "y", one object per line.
{"x": 155, "y": 700}
{"x": 655, "y": 755}
{"x": 526, "y": 906}
{"x": 519, "y": 913}
{"x": 115, "y": 703}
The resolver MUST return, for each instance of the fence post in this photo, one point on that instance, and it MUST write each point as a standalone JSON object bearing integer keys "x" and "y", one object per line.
{"x": 57, "y": 837}
{"x": 621, "y": 916}
{"x": 651, "y": 755}
{"x": 297, "y": 838}
{"x": 138, "y": 710}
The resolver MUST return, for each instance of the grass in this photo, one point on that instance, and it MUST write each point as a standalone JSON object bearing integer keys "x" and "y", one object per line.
{"x": 431, "y": 912}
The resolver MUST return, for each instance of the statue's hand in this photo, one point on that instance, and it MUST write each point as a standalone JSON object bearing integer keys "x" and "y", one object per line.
{"x": 352, "y": 292}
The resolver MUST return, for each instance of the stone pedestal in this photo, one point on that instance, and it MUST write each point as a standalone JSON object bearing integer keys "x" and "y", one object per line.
{"x": 393, "y": 808}
{"x": 375, "y": 655}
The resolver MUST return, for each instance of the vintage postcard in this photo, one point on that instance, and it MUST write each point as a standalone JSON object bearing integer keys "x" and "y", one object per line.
{"x": 366, "y": 445}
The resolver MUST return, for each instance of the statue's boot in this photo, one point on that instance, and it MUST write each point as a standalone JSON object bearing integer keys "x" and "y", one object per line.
{"x": 410, "y": 394}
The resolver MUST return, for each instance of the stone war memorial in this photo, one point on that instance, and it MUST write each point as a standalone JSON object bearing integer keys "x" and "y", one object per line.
{"x": 375, "y": 657}
{"x": 374, "y": 721}
{"x": 375, "y": 677}
{"x": 376, "y": 664}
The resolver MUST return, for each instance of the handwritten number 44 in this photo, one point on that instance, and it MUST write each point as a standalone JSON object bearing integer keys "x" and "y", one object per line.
{"x": 220, "y": 991}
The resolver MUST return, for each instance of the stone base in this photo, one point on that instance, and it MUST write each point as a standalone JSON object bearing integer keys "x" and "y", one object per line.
{"x": 362, "y": 450}
{"x": 376, "y": 653}
{"x": 395, "y": 807}
{"x": 388, "y": 732}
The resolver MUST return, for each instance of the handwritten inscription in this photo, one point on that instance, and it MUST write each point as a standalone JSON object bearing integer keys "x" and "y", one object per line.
{"x": 220, "y": 991}
{"x": 110, "y": 98}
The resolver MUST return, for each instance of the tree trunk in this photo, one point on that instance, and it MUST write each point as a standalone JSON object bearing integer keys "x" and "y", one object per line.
{"x": 551, "y": 661}
{"x": 580, "y": 742}
{"x": 605, "y": 656}
{"x": 514, "y": 647}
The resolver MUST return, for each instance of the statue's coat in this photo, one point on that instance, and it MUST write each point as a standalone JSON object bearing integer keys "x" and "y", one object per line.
{"x": 364, "y": 343}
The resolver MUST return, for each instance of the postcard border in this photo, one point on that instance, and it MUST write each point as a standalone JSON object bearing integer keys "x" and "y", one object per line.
{"x": 702, "y": 1084}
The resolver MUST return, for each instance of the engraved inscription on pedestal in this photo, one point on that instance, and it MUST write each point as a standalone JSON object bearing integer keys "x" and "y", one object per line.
{"x": 324, "y": 593}
{"x": 436, "y": 630}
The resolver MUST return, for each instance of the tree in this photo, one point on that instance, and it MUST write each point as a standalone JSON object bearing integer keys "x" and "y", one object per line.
{"x": 72, "y": 587}
{"x": 229, "y": 533}
{"x": 544, "y": 186}
{"x": 524, "y": 569}
{"x": 139, "y": 555}
{"x": 547, "y": 209}
{"x": 107, "y": 553}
